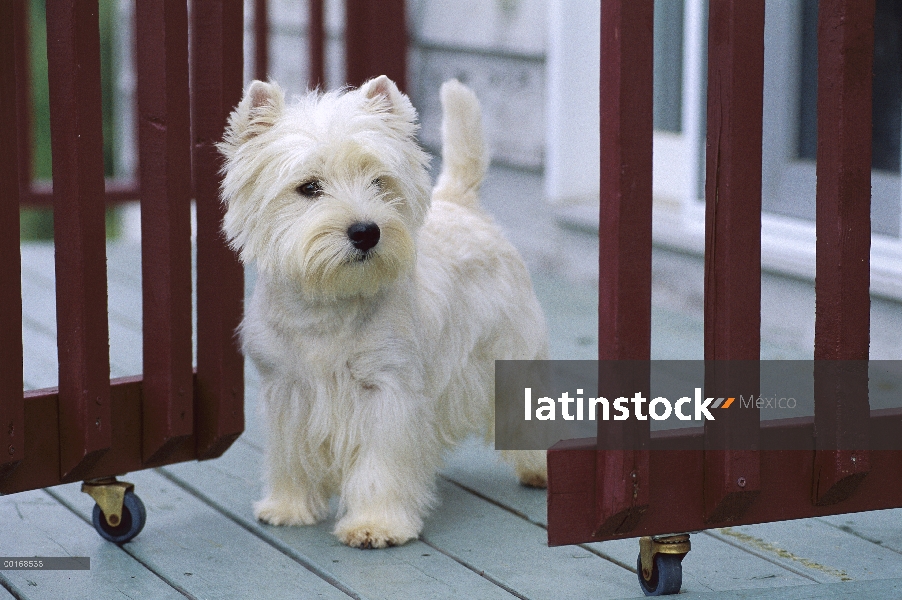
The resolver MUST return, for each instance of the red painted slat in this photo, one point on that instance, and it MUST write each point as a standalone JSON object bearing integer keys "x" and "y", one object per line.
{"x": 216, "y": 89}
{"x": 165, "y": 173}
{"x": 624, "y": 294}
{"x": 842, "y": 326}
{"x": 261, "y": 40}
{"x": 733, "y": 241}
{"x": 376, "y": 41}
{"x": 316, "y": 42}
{"x": 12, "y": 407}
{"x": 73, "y": 53}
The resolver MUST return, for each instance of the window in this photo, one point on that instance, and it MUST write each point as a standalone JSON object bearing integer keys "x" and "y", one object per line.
{"x": 789, "y": 136}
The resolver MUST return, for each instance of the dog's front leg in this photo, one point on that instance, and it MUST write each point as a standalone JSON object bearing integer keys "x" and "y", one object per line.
{"x": 391, "y": 485}
{"x": 295, "y": 492}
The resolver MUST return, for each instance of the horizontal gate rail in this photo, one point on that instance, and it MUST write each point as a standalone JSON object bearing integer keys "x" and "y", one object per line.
{"x": 823, "y": 469}
{"x": 117, "y": 191}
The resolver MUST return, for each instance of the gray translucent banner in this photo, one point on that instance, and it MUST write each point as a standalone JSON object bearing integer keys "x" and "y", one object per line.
{"x": 45, "y": 563}
{"x": 723, "y": 405}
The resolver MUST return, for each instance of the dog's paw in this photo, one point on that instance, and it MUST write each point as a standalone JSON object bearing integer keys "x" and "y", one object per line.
{"x": 286, "y": 512}
{"x": 371, "y": 534}
{"x": 535, "y": 479}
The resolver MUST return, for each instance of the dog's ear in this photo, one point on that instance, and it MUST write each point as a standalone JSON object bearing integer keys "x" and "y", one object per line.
{"x": 384, "y": 94}
{"x": 258, "y": 110}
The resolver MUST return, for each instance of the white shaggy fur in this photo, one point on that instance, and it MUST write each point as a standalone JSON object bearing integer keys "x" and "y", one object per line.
{"x": 373, "y": 362}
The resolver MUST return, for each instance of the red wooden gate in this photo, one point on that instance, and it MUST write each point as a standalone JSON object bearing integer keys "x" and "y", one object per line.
{"x": 596, "y": 495}
{"x": 91, "y": 426}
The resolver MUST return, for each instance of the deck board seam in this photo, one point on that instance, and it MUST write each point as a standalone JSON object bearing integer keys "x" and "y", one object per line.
{"x": 6, "y": 584}
{"x": 473, "y": 569}
{"x": 123, "y": 548}
{"x": 857, "y": 534}
{"x": 291, "y": 553}
{"x": 526, "y": 518}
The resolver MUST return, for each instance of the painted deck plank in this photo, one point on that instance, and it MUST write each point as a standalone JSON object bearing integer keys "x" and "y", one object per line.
{"x": 34, "y": 524}
{"x": 412, "y": 571}
{"x": 881, "y": 527}
{"x": 883, "y": 589}
{"x": 515, "y": 552}
{"x": 710, "y": 566}
{"x": 825, "y": 553}
{"x": 198, "y": 550}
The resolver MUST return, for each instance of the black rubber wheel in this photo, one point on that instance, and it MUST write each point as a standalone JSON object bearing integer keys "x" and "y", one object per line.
{"x": 133, "y": 518}
{"x": 666, "y": 575}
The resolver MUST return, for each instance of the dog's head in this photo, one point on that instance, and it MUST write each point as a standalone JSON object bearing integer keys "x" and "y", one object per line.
{"x": 329, "y": 191}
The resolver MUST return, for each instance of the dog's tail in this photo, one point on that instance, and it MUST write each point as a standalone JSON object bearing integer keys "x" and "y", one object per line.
{"x": 465, "y": 157}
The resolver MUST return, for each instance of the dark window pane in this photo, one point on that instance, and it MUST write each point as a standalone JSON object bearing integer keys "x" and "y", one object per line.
{"x": 668, "y": 65}
{"x": 887, "y": 85}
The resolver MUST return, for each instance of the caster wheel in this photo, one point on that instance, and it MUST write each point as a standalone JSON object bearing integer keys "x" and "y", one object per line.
{"x": 133, "y": 518}
{"x": 666, "y": 575}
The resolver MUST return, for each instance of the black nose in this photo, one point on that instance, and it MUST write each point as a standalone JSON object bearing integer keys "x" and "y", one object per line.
{"x": 364, "y": 235}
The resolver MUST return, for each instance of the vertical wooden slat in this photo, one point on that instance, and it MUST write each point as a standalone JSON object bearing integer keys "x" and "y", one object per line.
{"x": 215, "y": 90}
{"x": 842, "y": 326}
{"x": 316, "y": 42}
{"x": 73, "y": 54}
{"x": 624, "y": 295}
{"x": 376, "y": 41}
{"x": 261, "y": 39}
{"x": 165, "y": 173}
{"x": 733, "y": 243}
{"x": 12, "y": 403}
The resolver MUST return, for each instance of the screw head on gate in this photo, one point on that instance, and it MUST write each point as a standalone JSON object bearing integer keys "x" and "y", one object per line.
{"x": 741, "y": 482}
{"x": 12, "y": 449}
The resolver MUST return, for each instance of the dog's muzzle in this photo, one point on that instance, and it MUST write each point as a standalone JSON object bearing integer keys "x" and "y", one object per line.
{"x": 363, "y": 236}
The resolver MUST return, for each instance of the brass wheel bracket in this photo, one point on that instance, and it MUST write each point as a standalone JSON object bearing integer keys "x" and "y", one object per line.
{"x": 649, "y": 546}
{"x": 109, "y": 495}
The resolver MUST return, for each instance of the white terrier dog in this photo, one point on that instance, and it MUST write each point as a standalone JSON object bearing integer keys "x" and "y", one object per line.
{"x": 376, "y": 320}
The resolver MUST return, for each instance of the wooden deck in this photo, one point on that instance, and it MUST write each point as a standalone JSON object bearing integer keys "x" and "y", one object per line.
{"x": 487, "y": 538}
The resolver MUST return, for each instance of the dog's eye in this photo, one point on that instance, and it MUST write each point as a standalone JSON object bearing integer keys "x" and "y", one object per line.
{"x": 377, "y": 183}
{"x": 311, "y": 189}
